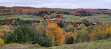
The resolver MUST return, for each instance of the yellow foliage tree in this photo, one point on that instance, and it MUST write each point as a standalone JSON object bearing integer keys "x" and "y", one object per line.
{"x": 41, "y": 28}
{"x": 108, "y": 32}
{"x": 4, "y": 29}
{"x": 56, "y": 33}
{"x": 1, "y": 42}
{"x": 81, "y": 35}
{"x": 98, "y": 32}
{"x": 53, "y": 15}
{"x": 69, "y": 28}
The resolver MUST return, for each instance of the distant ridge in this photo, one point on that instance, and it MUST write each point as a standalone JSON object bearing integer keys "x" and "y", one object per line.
{"x": 25, "y": 7}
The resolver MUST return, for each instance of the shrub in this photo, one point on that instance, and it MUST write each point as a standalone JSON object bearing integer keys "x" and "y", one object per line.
{"x": 4, "y": 30}
{"x": 81, "y": 35}
{"x": 74, "y": 23}
{"x": 70, "y": 40}
{"x": 69, "y": 28}
{"x": 61, "y": 24}
{"x": 108, "y": 32}
{"x": 98, "y": 32}
{"x": 1, "y": 42}
{"x": 21, "y": 34}
{"x": 36, "y": 45}
{"x": 6, "y": 18}
{"x": 53, "y": 15}
{"x": 68, "y": 35}
{"x": 41, "y": 29}
{"x": 13, "y": 44}
{"x": 41, "y": 38}
{"x": 44, "y": 41}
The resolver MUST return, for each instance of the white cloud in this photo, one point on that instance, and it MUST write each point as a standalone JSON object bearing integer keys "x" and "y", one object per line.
{"x": 59, "y": 3}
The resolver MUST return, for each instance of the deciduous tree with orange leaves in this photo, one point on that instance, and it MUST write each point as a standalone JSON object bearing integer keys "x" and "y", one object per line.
{"x": 56, "y": 33}
{"x": 61, "y": 16}
{"x": 46, "y": 17}
{"x": 74, "y": 23}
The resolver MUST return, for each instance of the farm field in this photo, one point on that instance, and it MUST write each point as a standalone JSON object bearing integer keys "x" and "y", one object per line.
{"x": 98, "y": 18}
{"x": 23, "y": 17}
{"x": 67, "y": 18}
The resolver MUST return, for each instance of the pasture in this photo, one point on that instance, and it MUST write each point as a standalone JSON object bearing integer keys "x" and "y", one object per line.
{"x": 96, "y": 18}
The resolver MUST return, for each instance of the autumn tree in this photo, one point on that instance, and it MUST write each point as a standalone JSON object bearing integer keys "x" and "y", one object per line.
{"x": 86, "y": 22}
{"x": 67, "y": 35}
{"x": 41, "y": 28}
{"x": 108, "y": 32}
{"x": 69, "y": 38}
{"x": 46, "y": 17}
{"x": 53, "y": 15}
{"x": 56, "y": 33}
{"x": 61, "y": 16}
{"x": 50, "y": 21}
{"x": 74, "y": 23}
{"x": 69, "y": 28}
{"x": 98, "y": 32}
{"x": 84, "y": 12}
{"x": 81, "y": 35}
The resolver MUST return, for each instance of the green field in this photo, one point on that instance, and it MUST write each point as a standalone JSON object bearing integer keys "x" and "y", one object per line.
{"x": 23, "y": 17}
{"x": 67, "y": 18}
{"x": 97, "y": 18}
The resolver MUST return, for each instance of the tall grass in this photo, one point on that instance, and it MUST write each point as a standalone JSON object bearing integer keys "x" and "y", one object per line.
{"x": 100, "y": 44}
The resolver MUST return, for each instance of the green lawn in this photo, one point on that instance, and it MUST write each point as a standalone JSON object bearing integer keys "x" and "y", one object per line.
{"x": 71, "y": 18}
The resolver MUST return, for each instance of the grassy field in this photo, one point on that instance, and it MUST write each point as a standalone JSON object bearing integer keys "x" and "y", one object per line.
{"x": 67, "y": 18}
{"x": 23, "y": 17}
{"x": 97, "y": 18}
{"x": 100, "y": 44}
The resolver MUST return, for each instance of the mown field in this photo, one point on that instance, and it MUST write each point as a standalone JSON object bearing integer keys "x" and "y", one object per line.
{"x": 100, "y": 44}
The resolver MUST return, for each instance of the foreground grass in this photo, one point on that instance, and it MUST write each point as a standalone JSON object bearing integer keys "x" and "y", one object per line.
{"x": 101, "y": 44}
{"x": 90, "y": 45}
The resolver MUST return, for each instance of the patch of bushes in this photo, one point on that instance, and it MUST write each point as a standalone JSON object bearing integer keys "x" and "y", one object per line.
{"x": 69, "y": 28}
{"x": 13, "y": 44}
{"x": 1, "y": 42}
{"x": 36, "y": 45}
{"x": 70, "y": 40}
{"x": 21, "y": 34}
{"x": 45, "y": 41}
{"x": 61, "y": 24}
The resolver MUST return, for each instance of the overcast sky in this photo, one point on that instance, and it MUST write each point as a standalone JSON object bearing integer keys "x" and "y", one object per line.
{"x": 72, "y": 4}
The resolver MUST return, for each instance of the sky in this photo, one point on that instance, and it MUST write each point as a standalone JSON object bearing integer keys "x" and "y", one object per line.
{"x": 70, "y": 4}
